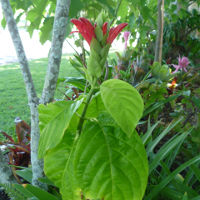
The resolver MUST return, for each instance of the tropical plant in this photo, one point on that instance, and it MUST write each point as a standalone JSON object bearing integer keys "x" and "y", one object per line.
{"x": 96, "y": 133}
{"x": 18, "y": 150}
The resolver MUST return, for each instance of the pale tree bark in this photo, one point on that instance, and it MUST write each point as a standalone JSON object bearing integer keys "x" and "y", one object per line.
{"x": 59, "y": 32}
{"x": 37, "y": 165}
{"x": 159, "y": 38}
{"x": 6, "y": 175}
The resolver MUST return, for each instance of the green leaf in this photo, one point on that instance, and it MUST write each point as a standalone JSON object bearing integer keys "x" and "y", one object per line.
{"x": 123, "y": 102}
{"x": 95, "y": 107}
{"x": 78, "y": 82}
{"x": 153, "y": 144}
{"x": 56, "y": 159}
{"x": 46, "y": 29}
{"x": 110, "y": 165}
{"x": 26, "y": 174}
{"x": 54, "y": 120}
{"x": 149, "y": 132}
{"x": 123, "y": 9}
{"x": 76, "y": 6}
{"x": 18, "y": 192}
{"x": 39, "y": 193}
{"x": 3, "y": 23}
{"x": 166, "y": 149}
{"x": 154, "y": 192}
{"x": 70, "y": 189}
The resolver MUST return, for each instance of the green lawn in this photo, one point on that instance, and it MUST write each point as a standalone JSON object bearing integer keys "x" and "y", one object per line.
{"x": 13, "y": 99}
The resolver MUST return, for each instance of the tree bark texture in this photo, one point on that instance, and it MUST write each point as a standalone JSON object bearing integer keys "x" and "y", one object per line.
{"x": 59, "y": 32}
{"x": 160, "y": 26}
{"x": 6, "y": 175}
{"x": 33, "y": 100}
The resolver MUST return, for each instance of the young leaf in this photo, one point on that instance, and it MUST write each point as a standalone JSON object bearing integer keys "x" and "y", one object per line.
{"x": 123, "y": 102}
{"x": 54, "y": 120}
{"x": 110, "y": 165}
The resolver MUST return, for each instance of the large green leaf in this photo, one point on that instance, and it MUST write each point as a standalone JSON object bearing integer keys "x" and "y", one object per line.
{"x": 123, "y": 102}
{"x": 54, "y": 120}
{"x": 56, "y": 159}
{"x": 108, "y": 165}
{"x": 70, "y": 189}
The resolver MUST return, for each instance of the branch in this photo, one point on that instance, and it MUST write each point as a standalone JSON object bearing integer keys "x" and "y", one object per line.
{"x": 80, "y": 124}
{"x": 159, "y": 38}
{"x": 59, "y": 32}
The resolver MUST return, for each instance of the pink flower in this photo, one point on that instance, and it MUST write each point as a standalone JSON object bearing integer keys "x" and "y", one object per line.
{"x": 126, "y": 36}
{"x": 182, "y": 64}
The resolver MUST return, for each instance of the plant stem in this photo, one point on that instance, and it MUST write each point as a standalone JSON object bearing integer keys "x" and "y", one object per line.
{"x": 80, "y": 125}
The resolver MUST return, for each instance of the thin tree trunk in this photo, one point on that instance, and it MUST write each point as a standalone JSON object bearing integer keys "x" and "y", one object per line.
{"x": 59, "y": 32}
{"x": 37, "y": 165}
{"x": 159, "y": 38}
{"x": 6, "y": 175}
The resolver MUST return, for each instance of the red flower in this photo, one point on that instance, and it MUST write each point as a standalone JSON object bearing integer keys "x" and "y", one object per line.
{"x": 114, "y": 32}
{"x": 104, "y": 28}
{"x": 86, "y": 29}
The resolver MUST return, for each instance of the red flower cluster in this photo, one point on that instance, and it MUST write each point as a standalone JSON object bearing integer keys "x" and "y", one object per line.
{"x": 86, "y": 29}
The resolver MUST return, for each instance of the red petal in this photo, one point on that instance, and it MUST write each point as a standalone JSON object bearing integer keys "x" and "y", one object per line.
{"x": 104, "y": 28}
{"x": 85, "y": 28}
{"x": 114, "y": 32}
{"x": 74, "y": 32}
{"x": 88, "y": 30}
{"x": 87, "y": 23}
{"x": 77, "y": 23}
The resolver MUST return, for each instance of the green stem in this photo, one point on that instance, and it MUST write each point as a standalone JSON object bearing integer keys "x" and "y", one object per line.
{"x": 80, "y": 125}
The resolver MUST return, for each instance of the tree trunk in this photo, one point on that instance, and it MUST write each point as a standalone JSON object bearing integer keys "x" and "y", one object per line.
{"x": 59, "y": 32}
{"x": 37, "y": 165}
{"x": 159, "y": 38}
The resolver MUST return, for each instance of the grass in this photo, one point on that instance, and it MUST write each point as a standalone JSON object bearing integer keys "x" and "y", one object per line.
{"x": 13, "y": 98}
